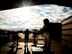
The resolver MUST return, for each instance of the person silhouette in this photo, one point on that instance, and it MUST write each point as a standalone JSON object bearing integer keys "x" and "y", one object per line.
{"x": 26, "y": 32}
{"x": 26, "y": 50}
{"x": 34, "y": 41}
{"x": 46, "y": 29}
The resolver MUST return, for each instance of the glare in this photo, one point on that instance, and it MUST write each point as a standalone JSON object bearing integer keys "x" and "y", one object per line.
{"x": 31, "y": 16}
{"x": 21, "y": 16}
{"x": 24, "y": 3}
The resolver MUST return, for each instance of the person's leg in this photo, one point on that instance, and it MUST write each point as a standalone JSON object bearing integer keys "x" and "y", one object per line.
{"x": 45, "y": 43}
{"x": 25, "y": 41}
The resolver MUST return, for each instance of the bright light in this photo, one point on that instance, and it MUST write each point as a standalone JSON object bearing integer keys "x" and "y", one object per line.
{"x": 24, "y": 3}
{"x": 32, "y": 17}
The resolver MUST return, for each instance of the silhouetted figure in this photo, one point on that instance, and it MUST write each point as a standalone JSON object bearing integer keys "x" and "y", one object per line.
{"x": 14, "y": 45}
{"x": 14, "y": 38}
{"x": 34, "y": 41}
{"x": 46, "y": 29}
{"x": 26, "y": 32}
{"x": 26, "y": 50}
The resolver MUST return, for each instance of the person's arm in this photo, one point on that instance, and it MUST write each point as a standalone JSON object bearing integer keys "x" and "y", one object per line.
{"x": 42, "y": 30}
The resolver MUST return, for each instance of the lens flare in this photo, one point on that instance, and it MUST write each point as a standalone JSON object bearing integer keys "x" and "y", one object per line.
{"x": 24, "y": 3}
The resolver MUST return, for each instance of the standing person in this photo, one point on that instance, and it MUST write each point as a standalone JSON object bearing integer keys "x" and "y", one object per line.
{"x": 46, "y": 29}
{"x": 34, "y": 36}
{"x": 26, "y": 32}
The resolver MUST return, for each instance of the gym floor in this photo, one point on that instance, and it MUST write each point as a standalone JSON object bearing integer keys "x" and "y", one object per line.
{"x": 55, "y": 46}
{"x": 5, "y": 49}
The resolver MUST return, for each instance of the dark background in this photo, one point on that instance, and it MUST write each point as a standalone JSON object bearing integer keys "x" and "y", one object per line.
{"x": 56, "y": 31}
{"x": 9, "y": 4}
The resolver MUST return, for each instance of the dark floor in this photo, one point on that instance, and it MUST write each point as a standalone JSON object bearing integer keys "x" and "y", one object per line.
{"x": 56, "y": 47}
{"x": 5, "y": 49}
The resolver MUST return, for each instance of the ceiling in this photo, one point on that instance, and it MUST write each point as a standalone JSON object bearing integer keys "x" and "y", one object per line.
{"x": 32, "y": 17}
{"x": 15, "y": 15}
{"x": 9, "y": 4}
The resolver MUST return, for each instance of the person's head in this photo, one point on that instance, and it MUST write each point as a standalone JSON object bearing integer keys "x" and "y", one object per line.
{"x": 27, "y": 30}
{"x": 46, "y": 21}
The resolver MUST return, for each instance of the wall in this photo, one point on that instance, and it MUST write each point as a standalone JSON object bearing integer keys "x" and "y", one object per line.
{"x": 67, "y": 32}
